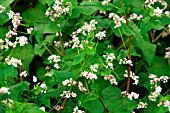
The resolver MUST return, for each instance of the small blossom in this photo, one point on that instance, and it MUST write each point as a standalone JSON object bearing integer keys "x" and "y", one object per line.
{"x": 29, "y": 30}
{"x": 105, "y": 2}
{"x": 142, "y": 105}
{"x": 4, "y": 90}
{"x": 54, "y": 58}
{"x": 94, "y": 67}
{"x": 34, "y": 79}
{"x": 157, "y": 12}
{"x": 2, "y": 8}
{"x": 23, "y": 73}
{"x": 101, "y": 35}
{"x": 42, "y": 108}
{"x": 22, "y": 40}
{"x": 77, "y": 111}
{"x": 111, "y": 78}
{"x": 67, "y": 94}
{"x": 15, "y": 62}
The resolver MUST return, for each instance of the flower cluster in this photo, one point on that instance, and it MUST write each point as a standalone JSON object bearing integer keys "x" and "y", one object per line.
{"x": 42, "y": 108}
{"x": 85, "y": 30}
{"x": 155, "y": 94}
{"x": 2, "y": 8}
{"x": 15, "y": 62}
{"x": 55, "y": 59}
{"x": 132, "y": 75}
{"x": 158, "y": 12}
{"x": 117, "y": 19}
{"x": 22, "y": 40}
{"x": 130, "y": 95}
{"x": 77, "y": 111}
{"x": 44, "y": 87}
{"x": 4, "y": 90}
{"x": 142, "y": 105}
{"x": 105, "y": 2}
{"x": 166, "y": 32}
{"x": 68, "y": 94}
{"x": 111, "y": 78}
{"x": 167, "y": 54}
{"x": 16, "y": 19}
{"x": 109, "y": 58}
{"x": 165, "y": 103}
{"x": 152, "y": 2}
{"x": 101, "y": 35}
{"x": 10, "y": 33}
{"x": 29, "y": 30}
{"x": 125, "y": 61}
{"x": 57, "y": 9}
{"x": 155, "y": 79}
{"x": 94, "y": 68}
{"x": 8, "y": 102}
{"x": 88, "y": 75}
{"x": 23, "y": 73}
{"x": 135, "y": 16}
{"x": 70, "y": 82}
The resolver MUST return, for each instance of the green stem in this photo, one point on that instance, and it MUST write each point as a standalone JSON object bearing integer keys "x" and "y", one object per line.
{"x": 122, "y": 38}
{"x": 55, "y": 105}
{"x": 62, "y": 45}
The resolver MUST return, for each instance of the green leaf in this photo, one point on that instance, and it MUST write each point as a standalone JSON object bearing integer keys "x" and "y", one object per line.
{"x": 91, "y": 104}
{"x": 138, "y": 6}
{"x": 148, "y": 51}
{"x": 32, "y": 108}
{"x": 49, "y": 39}
{"x": 79, "y": 58}
{"x": 40, "y": 74}
{"x": 5, "y": 3}
{"x": 1, "y": 77}
{"x": 10, "y": 71}
{"x": 114, "y": 102}
{"x": 25, "y": 53}
{"x": 87, "y": 8}
{"x": 42, "y": 28}
{"x": 127, "y": 2}
{"x": 36, "y": 14}
{"x": 3, "y": 31}
{"x": 159, "y": 67}
{"x": 39, "y": 50}
{"x": 156, "y": 24}
{"x": 44, "y": 99}
{"x": 18, "y": 89}
{"x": 4, "y": 17}
{"x": 145, "y": 25}
{"x": 63, "y": 75}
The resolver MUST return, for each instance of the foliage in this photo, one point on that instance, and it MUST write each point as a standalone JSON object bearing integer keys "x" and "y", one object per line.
{"x": 91, "y": 56}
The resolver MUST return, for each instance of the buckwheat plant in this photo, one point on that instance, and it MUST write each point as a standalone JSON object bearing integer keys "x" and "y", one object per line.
{"x": 84, "y": 56}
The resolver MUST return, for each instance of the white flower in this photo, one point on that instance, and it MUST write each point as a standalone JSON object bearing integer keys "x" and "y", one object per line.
{"x": 111, "y": 78}
{"x": 101, "y": 35}
{"x": 54, "y": 58}
{"x": 22, "y": 40}
{"x": 67, "y": 94}
{"x": 29, "y": 30}
{"x": 56, "y": 66}
{"x": 15, "y": 62}
{"x": 4, "y": 90}
{"x": 2, "y": 8}
{"x": 94, "y": 67}
{"x": 77, "y": 111}
{"x": 23, "y": 73}
{"x": 157, "y": 12}
{"x": 42, "y": 108}
{"x": 34, "y": 79}
{"x": 105, "y": 2}
{"x": 142, "y": 105}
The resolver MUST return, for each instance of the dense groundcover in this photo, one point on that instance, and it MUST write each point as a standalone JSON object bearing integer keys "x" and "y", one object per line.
{"x": 84, "y": 56}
